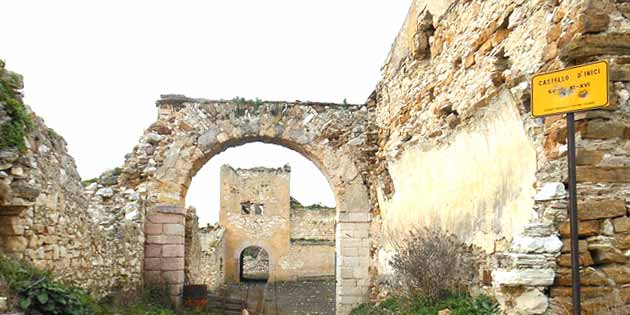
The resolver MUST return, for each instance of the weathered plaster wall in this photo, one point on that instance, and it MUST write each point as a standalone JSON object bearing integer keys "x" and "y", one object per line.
{"x": 456, "y": 144}
{"x": 479, "y": 186}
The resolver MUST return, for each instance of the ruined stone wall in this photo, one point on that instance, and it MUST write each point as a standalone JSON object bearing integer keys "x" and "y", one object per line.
{"x": 192, "y": 248}
{"x": 457, "y": 147}
{"x": 48, "y": 219}
{"x": 313, "y": 224}
{"x": 205, "y": 263}
{"x": 312, "y": 250}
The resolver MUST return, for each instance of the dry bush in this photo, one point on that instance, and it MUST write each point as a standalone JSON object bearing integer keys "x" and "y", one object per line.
{"x": 432, "y": 264}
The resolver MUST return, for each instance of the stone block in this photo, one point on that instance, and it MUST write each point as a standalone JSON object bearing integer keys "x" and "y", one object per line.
{"x": 153, "y": 277}
{"x": 608, "y": 255}
{"x": 174, "y": 229}
{"x": 623, "y": 241}
{"x": 620, "y": 72}
{"x": 349, "y": 251}
{"x": 586, "y": 292}
{"x": 165, "y": 239}
{"x": 526, "y": 244}
{"x": 589, "y": 276}
{"x": 599, "y": 209}
{"x": 170, "y": 209}
{"x": 152, "y": 250}
{"x": 587, "y": 157}
{"x": 585, "y": 228}
{"x": 566, "y": 245}
{"x": 16, "y": 244}
{"x": 622, "y": 224}
{"x": 532, "y": 301}
{"x": 173, "y": 251}
{"x": 153, "y": 229}
{"x": 11, "y": 226}
{"x": 586, "y": 259}
{"x": 595, "y": 45}
{"x": 153, "y": 263}
{"x": 173, "y": 277}
{"x": 593, "y": 21}
{"x": 176, "y": 289}
{"x": 164, "y": 218}
{"x": 603, "y": 174}
{"x": 172, "y": 264}
{"x": 620, "y": 274}
{"x": 526, "y": 277}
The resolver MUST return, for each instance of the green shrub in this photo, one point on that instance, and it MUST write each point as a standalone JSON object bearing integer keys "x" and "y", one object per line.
{"x": 431, "y": 264}
{"x": 38, "y": 292}
{"x": 459, "y": 304}
{"x": 12, "y": 133}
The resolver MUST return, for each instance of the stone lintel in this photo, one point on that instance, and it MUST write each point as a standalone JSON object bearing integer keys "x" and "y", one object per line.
{"x": 354, "y": 217}
{"x": 170, "y": 209}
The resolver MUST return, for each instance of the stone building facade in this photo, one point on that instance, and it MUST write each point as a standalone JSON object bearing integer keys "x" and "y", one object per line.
{"x": 256, "y": 211}
{"x": 446, "y": 139}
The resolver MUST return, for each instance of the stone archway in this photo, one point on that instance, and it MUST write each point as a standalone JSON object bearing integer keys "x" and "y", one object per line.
{"x": 256, "y": 275}
{"x": 189, "y": 132}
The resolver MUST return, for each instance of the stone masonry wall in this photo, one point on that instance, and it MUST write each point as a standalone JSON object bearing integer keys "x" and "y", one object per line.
{"x": 47, "y": 217}
{"x": 458, "y": 148}
{"x": 205, "y": 253}
{"x": 313, "y": 224}
{"x": 192, "y": 249}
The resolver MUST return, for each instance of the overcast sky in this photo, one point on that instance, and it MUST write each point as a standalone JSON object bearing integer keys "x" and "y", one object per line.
{"x": 93, "y": 70}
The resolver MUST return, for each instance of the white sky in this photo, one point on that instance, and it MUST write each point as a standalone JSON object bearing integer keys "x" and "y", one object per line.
{"x": 93, "y": 70}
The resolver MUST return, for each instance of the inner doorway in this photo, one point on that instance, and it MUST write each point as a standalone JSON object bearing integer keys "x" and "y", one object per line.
{"x": 254, "y": 265}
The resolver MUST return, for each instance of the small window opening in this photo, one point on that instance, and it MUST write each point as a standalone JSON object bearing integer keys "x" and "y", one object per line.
{"x": 248, "y": 208}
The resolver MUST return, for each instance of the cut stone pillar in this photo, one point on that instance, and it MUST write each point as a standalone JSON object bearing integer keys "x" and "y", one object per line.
{"x": 353, "y": 260}
{"x": 164, "y": 250}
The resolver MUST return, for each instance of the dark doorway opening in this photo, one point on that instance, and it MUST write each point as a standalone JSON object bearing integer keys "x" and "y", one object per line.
{"x": 254, "y": 265}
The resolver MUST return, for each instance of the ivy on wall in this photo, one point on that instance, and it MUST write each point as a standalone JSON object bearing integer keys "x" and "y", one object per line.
{"x": 14, "y": 129}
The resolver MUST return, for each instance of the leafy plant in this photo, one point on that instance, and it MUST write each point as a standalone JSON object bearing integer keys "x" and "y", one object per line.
{"x": 256, "y": 103}
{"x": 458, "y": 304}
{"x": 38, "y": 292}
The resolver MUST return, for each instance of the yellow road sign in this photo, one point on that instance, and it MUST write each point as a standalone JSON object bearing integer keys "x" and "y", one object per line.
{"x": 570, "y": 90}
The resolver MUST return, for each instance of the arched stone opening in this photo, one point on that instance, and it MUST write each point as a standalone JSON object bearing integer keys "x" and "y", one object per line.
{"x": 254, "y": 265}
{"x": 329, "y": 135}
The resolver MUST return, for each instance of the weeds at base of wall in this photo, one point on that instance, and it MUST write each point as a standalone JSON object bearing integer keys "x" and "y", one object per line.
{"x": 458, "y": 304}
{"x": 432, "y": 270}
{"x": 35, "y": 292}
{"x": 431, "y": 264}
